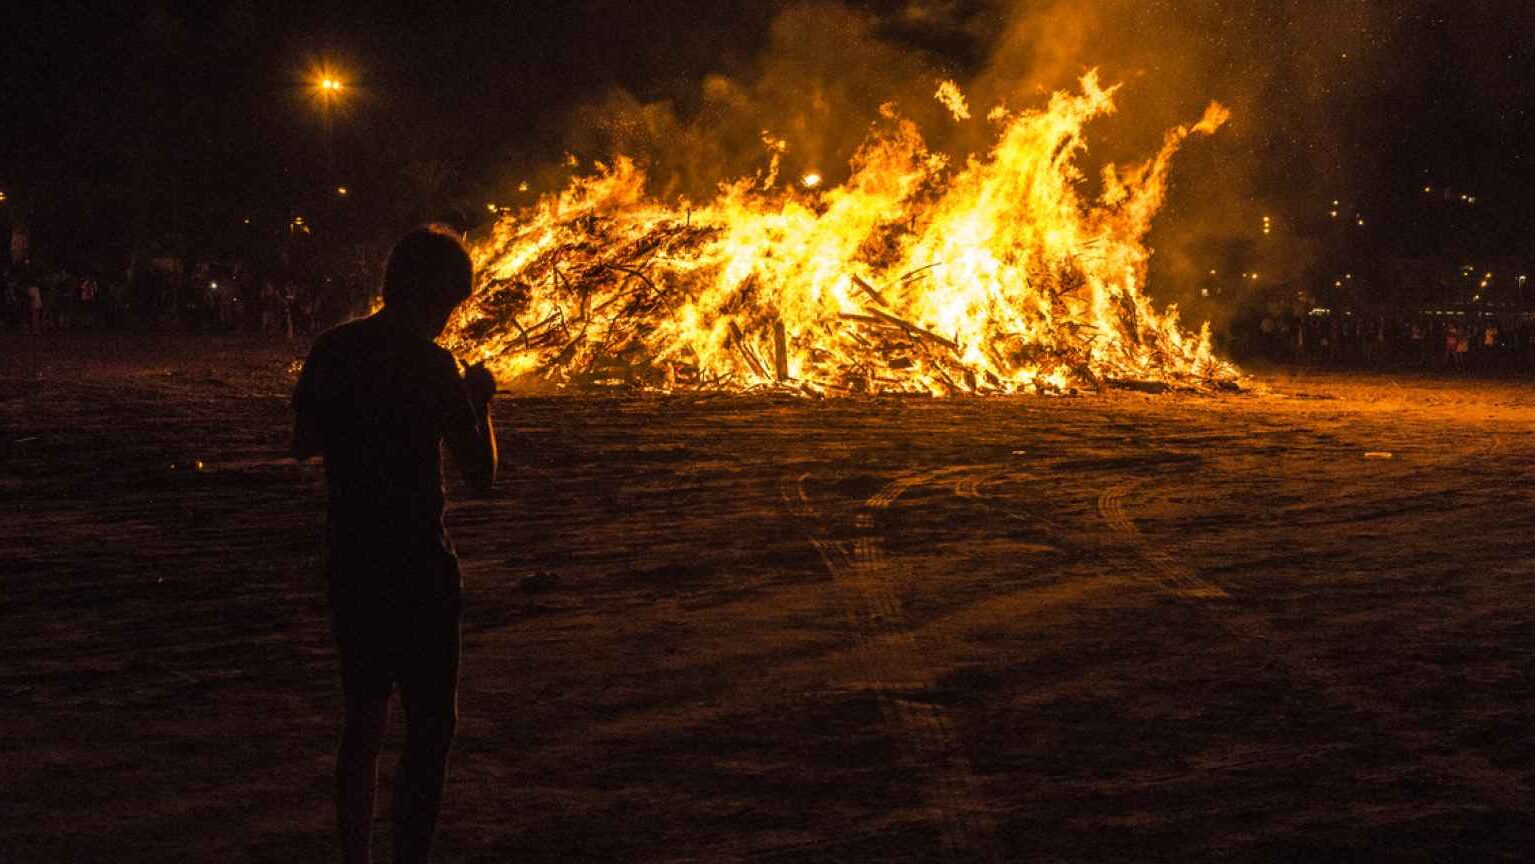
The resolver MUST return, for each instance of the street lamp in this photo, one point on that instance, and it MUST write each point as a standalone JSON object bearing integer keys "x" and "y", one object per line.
{"x": 328, "y": 88}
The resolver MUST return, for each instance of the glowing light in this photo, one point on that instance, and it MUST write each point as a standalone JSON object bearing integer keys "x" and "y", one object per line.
{"x": 327, "y": 84}
{"x": 523, "y": 186}
{"x": 995, "y": 274}
{"x": 341, "y": 190}
{"x": 491, "y": 207}
{"x": 1333, "y": 214}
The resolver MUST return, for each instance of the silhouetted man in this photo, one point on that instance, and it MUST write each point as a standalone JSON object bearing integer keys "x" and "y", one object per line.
{"x": 376, "y": 398}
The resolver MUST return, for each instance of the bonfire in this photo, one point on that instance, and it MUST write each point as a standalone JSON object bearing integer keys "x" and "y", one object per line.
{"x": 913, "y": 276}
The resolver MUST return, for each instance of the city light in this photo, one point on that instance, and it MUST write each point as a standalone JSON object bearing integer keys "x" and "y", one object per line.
{"x": 332, "y": 85}
{"x": 341, "y": 190}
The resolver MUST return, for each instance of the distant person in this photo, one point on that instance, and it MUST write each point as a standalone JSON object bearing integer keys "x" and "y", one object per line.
{"x": 376, "y": 398}
{"x": 290, "y": 308}
{"x": 269, "y": 304}
{"x": 34, "y": 301}
{"x": 88, "y": 291}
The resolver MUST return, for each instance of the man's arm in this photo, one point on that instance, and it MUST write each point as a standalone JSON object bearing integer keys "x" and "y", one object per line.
{"x": 307, "y": 440}
{"x": 470, "y": 434}
{"x": 306, "y": 436}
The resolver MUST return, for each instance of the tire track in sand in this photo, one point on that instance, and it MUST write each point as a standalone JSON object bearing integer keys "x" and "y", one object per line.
{"x": 891, "y": 664}
{"x": 1493, "y": 785}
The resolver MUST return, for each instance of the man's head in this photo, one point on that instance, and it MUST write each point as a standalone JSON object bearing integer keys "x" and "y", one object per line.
{"x": 428, "y": 274}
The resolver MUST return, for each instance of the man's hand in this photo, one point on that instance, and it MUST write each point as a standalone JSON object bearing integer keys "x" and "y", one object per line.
{"x": 480, "y": 383}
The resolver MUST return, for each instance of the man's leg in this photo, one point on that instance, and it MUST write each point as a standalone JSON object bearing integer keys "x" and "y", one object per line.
{"x": 366, "y": 682}
{"x": 429, "y": 695}
{"x": 356, "y": 774}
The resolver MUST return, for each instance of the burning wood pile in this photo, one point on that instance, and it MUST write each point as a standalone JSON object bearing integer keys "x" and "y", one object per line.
{"x": 912, "y": 276}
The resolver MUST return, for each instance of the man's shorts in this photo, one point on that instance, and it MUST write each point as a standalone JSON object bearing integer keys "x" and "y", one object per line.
{"x": 414, "y": 645}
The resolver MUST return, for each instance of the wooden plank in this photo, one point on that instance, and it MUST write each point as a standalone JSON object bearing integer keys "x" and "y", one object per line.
{"x": 751, "y": 357}
{"x": 871, "y": 291}
{"x": 780, "y": 352}
{"x": 915, "y": 330}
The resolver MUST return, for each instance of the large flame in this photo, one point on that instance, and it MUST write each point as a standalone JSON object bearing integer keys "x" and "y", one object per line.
{"x": 912, "y": 276}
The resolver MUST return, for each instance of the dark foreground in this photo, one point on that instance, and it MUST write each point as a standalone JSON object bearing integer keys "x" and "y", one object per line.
{"x": 711, "y": 629}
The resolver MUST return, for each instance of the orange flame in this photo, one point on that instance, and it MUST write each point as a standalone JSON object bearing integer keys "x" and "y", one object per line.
{"x": 911, "y": 276}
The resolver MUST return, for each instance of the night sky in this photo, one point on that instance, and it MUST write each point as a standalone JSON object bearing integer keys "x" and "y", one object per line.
{"x": 192, "y": 117}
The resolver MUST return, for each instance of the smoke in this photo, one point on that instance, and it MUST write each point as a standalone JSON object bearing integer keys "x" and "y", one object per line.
{"x": 1296, "y": 75}
{"x": 816, "y": 86}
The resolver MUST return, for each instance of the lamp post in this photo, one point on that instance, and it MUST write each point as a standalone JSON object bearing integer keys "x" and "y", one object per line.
{"x": 328, "y": 88}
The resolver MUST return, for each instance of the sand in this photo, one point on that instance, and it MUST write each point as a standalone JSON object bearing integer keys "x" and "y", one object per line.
{"x": 1293, "y": 624}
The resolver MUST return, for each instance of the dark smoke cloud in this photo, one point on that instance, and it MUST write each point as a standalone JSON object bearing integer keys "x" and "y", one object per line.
{"x": 1299, "y": 77}
{"x": 818, "y": 84}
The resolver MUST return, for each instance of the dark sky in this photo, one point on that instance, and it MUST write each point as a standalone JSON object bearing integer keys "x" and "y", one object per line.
{"x": 195, "y": 115}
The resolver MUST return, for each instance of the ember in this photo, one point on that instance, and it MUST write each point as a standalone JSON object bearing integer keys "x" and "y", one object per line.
{"x": 912, "y": 276}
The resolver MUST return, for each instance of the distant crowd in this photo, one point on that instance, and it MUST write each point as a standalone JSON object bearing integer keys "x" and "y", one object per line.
{"x": 1448, "y": 340}
{"x": 209, "y": 299}
{"x": 236, "y": 300}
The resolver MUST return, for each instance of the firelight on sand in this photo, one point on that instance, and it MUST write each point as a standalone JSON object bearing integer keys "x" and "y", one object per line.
{"x": 914, "y": 275}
